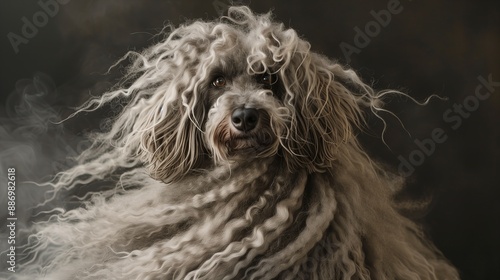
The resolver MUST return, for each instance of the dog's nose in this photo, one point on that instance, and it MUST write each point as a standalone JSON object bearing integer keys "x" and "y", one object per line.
{"x": 245, "y": 119}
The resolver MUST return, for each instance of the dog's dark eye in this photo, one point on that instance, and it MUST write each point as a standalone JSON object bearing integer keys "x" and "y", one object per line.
{"x": 268, "y": 79}
{"x": 219, "y": 82}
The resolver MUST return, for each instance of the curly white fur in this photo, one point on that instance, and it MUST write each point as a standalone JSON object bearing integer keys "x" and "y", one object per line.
{"x": 295, "y": 198}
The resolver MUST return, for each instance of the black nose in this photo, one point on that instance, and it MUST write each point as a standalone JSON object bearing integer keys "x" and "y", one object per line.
{"x": 245, "y": 119}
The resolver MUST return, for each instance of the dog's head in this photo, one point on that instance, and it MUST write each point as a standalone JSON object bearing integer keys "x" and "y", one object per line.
{"x": 239, "y": 88}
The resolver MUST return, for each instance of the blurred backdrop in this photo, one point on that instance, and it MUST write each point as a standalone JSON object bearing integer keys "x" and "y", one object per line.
{"x": 55, "y": 55}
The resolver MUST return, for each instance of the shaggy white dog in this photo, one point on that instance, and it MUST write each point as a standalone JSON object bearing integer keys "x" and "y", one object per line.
{"x": 238, "y": 159}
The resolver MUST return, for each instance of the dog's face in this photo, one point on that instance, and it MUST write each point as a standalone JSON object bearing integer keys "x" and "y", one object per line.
{"x": 239, "y": 89}
{"x": 246, "y": 116}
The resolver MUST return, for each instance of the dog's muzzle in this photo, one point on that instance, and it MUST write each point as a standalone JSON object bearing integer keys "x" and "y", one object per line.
{"x": 250, "y": 131}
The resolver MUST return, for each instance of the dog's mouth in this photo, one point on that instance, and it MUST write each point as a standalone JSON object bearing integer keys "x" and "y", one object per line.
{"x": 249, "y": 143}
{"x": 235, "y": 143}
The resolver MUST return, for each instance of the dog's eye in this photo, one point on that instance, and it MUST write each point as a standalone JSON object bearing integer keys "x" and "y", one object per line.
{"x": 268, "y": 79}
{"x": 219, "y": 82}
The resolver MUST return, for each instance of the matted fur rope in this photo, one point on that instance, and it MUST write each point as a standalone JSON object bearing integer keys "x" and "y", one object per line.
{"x": 238, "y": 159}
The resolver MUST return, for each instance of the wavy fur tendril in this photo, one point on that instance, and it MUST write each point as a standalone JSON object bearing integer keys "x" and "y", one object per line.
{"x": 313, "y": 205}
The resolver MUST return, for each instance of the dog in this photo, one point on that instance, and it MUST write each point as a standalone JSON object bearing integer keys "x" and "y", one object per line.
{"x": 237, "y": 158}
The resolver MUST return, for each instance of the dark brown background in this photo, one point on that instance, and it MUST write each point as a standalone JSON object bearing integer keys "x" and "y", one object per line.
{"x": 430, "y": 47}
